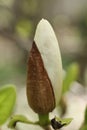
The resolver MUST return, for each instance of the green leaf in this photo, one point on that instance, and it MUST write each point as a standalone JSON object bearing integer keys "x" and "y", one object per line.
{"x": 71, "y": 75}
{"x": 7, "y": 101}
{"x": 85, "y": 122}
{"x": 58, "y": 123}
{"x": 65, "y": 121}
{"x": 84, "y": 127}
{"x": 19, "y": 118}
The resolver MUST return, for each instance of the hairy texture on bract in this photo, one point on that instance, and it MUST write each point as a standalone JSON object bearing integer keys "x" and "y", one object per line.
{"x": 39, "y": 88}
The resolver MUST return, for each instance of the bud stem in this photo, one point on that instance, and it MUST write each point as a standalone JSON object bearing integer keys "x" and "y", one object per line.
{"x": 44, "y": 119}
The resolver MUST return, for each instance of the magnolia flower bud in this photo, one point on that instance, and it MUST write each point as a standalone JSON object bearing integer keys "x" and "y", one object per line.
{"x": 44, "y": 80}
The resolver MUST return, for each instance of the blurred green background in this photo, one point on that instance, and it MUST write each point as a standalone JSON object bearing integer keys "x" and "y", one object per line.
{"x": 18, "y": 20}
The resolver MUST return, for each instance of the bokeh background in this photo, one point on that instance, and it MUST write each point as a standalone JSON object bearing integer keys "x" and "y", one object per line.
{"x": 18, "y": 20}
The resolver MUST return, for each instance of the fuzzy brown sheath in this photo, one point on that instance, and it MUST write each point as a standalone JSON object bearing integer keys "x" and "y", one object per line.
{"x": 40, "y": 93}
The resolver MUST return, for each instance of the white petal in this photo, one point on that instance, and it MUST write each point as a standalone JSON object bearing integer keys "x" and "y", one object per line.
{"x": 21, "y": 126}
{"x": 48, "y": 47}
{"x": 22, "y": 107}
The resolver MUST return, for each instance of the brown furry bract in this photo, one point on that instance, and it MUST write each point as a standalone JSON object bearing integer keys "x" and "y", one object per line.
{"x": 40, "y": 93}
